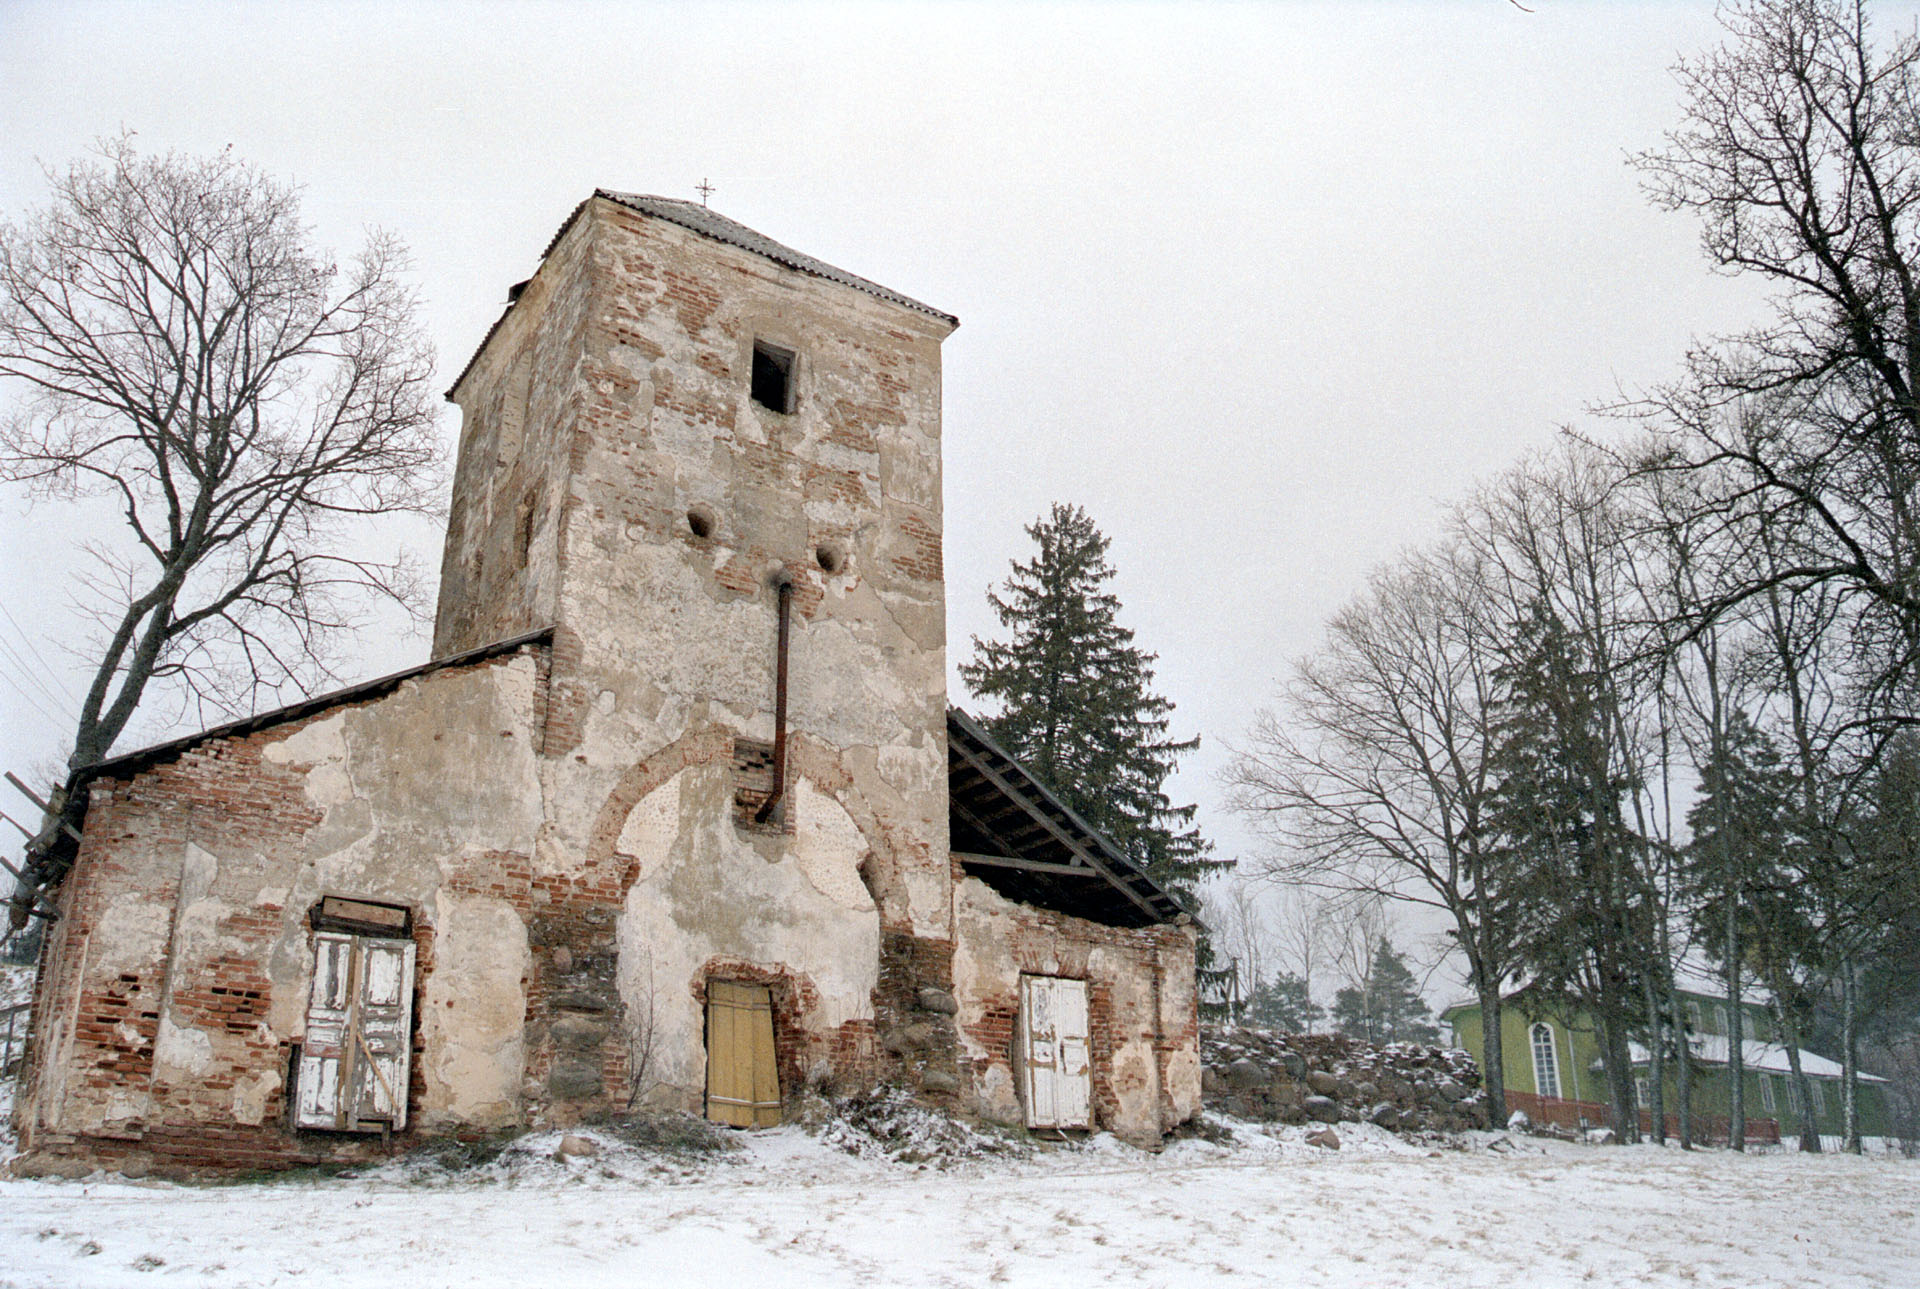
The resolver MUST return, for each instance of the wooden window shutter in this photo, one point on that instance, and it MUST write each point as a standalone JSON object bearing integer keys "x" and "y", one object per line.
{"x": 1056, "y": 1068}
{"x": 354, "y": 1064}
{"x": 743, "y": 1078}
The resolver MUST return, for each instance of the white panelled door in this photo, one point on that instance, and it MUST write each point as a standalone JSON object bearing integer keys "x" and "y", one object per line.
{"x": 354, "y": 1058}
{"x": 1056, "y": 1052}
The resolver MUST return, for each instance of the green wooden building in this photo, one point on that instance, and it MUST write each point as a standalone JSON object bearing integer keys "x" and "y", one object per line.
{"x": 1553, "y": 1072}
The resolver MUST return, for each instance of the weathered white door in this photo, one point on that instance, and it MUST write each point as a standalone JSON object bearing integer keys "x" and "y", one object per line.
{"x": 354, "y": 1059}
{"x": 1056, "y": 1052}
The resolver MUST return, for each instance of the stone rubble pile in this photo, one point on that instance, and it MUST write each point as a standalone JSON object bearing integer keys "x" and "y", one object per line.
{"x": 1326, "y": 1078}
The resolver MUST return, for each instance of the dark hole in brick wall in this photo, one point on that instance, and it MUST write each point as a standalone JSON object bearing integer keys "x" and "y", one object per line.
{"x": 523, "y": 529}
{"x": 772, "y": 377}
{"x": 752, "y": 782}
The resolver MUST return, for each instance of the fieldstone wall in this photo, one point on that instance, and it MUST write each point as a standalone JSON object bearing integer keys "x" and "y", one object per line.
{"x": 1327, "y": 1078}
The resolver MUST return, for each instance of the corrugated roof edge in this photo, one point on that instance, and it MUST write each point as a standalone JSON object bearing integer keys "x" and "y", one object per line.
{"x": 1119, "y": 858}
{"x": 142, "y": 757}
{"x": 720, "y": 229}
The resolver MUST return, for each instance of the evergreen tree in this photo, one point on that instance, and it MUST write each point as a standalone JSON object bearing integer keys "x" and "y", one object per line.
{"x": 1283, "y": 1004}
{"x": 1742, "y": 847}
{"x": 1076, "y": 704}
{"x": 1076, "y": 701}
{"x": 1889, "y": 887}
{"x": 1386, "y": 1007}
{"x": 1758, "y": 895}
{"x": 1555, "y": 815}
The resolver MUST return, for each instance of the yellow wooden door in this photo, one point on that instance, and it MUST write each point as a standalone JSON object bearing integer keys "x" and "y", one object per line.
{"x": 743, "y": 1082}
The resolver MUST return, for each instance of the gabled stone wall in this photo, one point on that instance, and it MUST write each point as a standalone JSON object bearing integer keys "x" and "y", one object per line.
{"x": 174, "y": 987}
{"x": 1142, "y": 1004}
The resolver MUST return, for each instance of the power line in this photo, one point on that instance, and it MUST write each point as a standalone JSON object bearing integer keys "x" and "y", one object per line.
{"x": 24, "y": 638}
{"x": 46, "y": 668}
{"x": 21, "y": 669}
{"x": 31, "y": 701}
{"x": 39, "y": 675}
{"x": 12, "y": 656}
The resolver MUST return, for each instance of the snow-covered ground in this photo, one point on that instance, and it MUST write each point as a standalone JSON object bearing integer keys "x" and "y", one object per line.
{"x": 796, "y": 1208}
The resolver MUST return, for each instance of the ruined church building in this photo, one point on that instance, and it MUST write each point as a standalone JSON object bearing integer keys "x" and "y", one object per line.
{"x": 678, "y": 817}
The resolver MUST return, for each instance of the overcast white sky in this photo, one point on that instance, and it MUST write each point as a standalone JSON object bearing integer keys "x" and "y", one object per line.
{"x": 1260, "y": 286}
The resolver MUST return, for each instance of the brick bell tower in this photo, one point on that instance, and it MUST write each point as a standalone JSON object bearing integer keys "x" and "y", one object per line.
{"x": 711, "y": 465}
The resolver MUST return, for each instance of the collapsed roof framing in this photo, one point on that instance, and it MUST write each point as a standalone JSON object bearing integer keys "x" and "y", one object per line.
{"x": 1012, "y": 832}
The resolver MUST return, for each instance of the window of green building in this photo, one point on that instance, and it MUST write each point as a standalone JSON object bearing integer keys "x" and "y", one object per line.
{"x": 1546, "y": 1064}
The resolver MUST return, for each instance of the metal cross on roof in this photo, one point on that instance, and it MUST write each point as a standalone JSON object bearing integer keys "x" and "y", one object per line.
{"x": 705, "y": 190}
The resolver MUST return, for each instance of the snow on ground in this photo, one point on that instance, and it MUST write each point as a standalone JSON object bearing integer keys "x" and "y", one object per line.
{"x": 16, "y": 983}
{"x": 16, "y": 986}
{"x": 791, "y": 1207}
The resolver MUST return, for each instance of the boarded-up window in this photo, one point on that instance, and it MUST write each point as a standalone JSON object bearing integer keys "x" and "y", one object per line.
{"x": 353, "y": 1064}
{"x": 1056, "y": 1071}
{"x": 743, "y": 1082}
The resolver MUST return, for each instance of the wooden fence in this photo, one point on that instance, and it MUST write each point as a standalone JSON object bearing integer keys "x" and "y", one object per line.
{"x": 1577, "y": 1116}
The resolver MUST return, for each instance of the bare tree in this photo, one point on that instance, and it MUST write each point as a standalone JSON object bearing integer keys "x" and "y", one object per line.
{"x": 1302, "y": 929}
{"x": 237, "y": 396}
{"x": 1570, "y": 812}
{"x": 642, "y": 1027}
{"x": 1242, "y": 930}
{"x": 1371, "y": 778}
{"x": 1364, "y": 920}
{"x": 1799, "y": 150}
{"x": 1692, "y": 552}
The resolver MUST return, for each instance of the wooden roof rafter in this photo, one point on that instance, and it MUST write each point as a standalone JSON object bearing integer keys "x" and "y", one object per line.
{"x": 1047, "y": 854}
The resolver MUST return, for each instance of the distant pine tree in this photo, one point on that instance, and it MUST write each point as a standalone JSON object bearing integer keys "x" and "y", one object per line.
{"x": 1387, "y": 1006}
{"x": 1557, "y": 827}
{"x": 1283, "y": 1004}
{"x": 1743, "y": 846}
{"x": 1076, "y": 704}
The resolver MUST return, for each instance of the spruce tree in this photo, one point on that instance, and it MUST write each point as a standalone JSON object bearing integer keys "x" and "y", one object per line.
{"x": 1283, "y": 1004}
{"x": 1558, "y": 833}
{"x": 1074, "y": 701}
{"x": 1387, "y": 1006}
{"x": 1756, "y": 896}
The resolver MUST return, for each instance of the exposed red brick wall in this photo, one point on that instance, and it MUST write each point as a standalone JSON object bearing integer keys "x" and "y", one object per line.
{"x": 226, "y": 796}
{"x": 1036, "y": 941}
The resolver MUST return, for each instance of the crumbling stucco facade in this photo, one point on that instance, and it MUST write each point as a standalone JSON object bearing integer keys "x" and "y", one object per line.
{"x": 1145, "y": 1033}
{"x": 174, "y": 985}
{"x": 673, "y": 420}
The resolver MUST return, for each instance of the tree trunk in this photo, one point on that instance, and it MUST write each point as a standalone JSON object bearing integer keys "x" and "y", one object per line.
{"x": 1683, "y": 1053}
{"x": 1627, "y": 1110}
{"x": 1656, "y": 1062}
{"x": 1493, "y": 1066}
{"x": 1617, "y": 1069}
{"x": 1790, "y": 1034}
{"x": 1850, "y": 1051}
{"x": 1736, "y": 1058}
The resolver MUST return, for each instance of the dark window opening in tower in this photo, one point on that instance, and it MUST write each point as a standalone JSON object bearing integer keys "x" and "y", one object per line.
{"x": 773, "y": 377}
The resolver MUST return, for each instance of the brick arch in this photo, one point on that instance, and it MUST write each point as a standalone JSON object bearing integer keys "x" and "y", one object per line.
{"x": 807, "y": 758}
{"x": 821, "y": 765}
{"x": 702, "y": 746}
